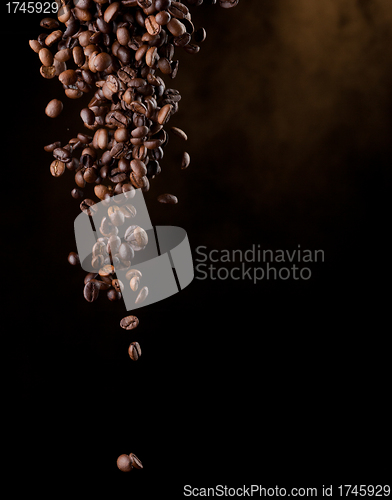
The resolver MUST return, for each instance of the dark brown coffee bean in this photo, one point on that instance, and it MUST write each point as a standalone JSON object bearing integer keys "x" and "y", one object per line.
{"x": 77, "y": 194}
{"x": 118, "y": 285}
{"x": 167, "y": 198}
{"x": 124, "y": 463}
{"x": 113, "y": 295}
{"x": 57, "y": 168}
{"x": 129, "y": 322}
{"x": 152, "y": 26}
{"x": 73, "y": 258}
{"x": 87, "y": 206}
{"x": 162, "y": 17}
{"x": 186, "y": 160}
{"x": 227, "y": 4}
{"x": 136, "y": 463}
{"x": 49, "y": 23}
{"x": 178, "y": 10}
{"x": 176, "y": 27}
{"x": 164, "y": 114}
{"x": 68, "y": 77}
{"x": 45, "y": 56}
{"x": 54, "y": 37}
{"x": 200, "y": 35}
{"x": 87, "y": 116}
{"x": 179, "y": 133}
{"x": 134, "y": 351}
{"x": 91, "y": 291}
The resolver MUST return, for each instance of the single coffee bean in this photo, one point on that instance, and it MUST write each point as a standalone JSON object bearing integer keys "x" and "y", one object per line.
{"x": 129, "y": 322}
{"x": 133, "y": 272}
{"x": 87, "y": 206}
{"x": 142, "y": 295}
{"x": 176, "y": 27}
{"x": 186, "y": 160}
{"x": 57, "y": 168}
{"x": 136, "y": 236}
{"x": 227, "y": 4}
{"x": 124, "y": 463}
{"x": 117, "y": 217}
{"x": 87, "y": 116}
{"x": 118, "y": 285}
{"x": 68, "y": 77}
{"x": 91, "y": 291}
{"x": 136, "y": 462}
{"x": 134, "y": 283}
{"x": 179, "y": 133}
{"x": 106, "y": 270}
{"x": 54, "y": 37}
{"x": 77, "y": 194}
{"x": 113, "y": 295}
{"x": 164, "y": 114}
{"x": 139, "y": 167}
{"x": 73, "y": 258}
{"x": 167, "y": 198}
{"x": 49, "y": 23}
{"x": 45, "y": 56}
{"x": 134, "y": 351}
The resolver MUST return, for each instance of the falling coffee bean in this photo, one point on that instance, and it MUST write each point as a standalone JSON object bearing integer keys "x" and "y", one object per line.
{"x": 134, "y": 351}
{"x": 129, "y": 322}
{"x": 90, "y": 291}
{"x": 124, "y": 463}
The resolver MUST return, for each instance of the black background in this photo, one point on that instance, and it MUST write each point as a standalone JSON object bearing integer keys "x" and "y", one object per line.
{"x": 288, "y": 112}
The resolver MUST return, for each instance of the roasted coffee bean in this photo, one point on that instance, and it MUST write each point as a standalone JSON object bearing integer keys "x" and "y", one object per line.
{"x": 200, "y": 35}
{"x": 91, "y": 291}
{"x": 176, "y": 27}
{"x": 77, "y": 194}
{"x": 117, "y": 217}
{"x": 106, "y": 270}
{"x": 167, "y": 198}
{"x": 73, "y": 258}
{"x": 87, "y": 116}
{"x": 57, "y": 168}
{"x": 132, "y": 273}
{"x": 142, "y": 295}
{"x": 164, "y": 113}
{"x": 134, "y": 351}
{"x": 129, "y": 323}
{"x": 124, "y": 463}
{"x": 136, "y": 462}
{"x": 126, "y": 252}
{"x": 68, "y": 77}
{"x": 179, "y": 133}
{"x": 186, "y": 160}
{"x": 227, "y": 4}
{"x": 118, "y": 285}
{"x": 87, "y": 206}
{"x": 134, "y": 283}
{"x": 113, "y": 295}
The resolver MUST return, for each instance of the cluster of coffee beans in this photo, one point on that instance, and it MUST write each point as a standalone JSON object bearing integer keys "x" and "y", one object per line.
{"x": 120, "y": 51}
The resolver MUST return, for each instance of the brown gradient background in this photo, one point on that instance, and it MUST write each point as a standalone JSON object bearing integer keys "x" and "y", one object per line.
{"x": 288, "y": 112}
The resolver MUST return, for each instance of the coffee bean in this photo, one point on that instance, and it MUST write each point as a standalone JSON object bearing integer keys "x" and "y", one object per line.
{"x": 186, "y": 160}
{"x": 167, "y": 198}
{"x": 113, "y": 295}
{"x": 133, "y": 272}
{"x": 106, "y": 270}
{"x": 91, "y": 291}
{"x": 136, "y": 236}
{"x": 134, "y": 283}
{"x": 152, "y": 26}
{"x": 57, "y": 168}
{"x": 227, "y": 4}
{"x": 129, "y": 322}
{"x": 73, "y": 258}
{"x": 179, "y": 133}
{"x": 124, "y": 463}
{"x": 164, "y": 113}
{"x": 134, "y": 351}
{"x": 87, "y": 206}
{"x": 136, "y": 463}
{"x": 176, "y": 27}
{"x": 142, "y": 295}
